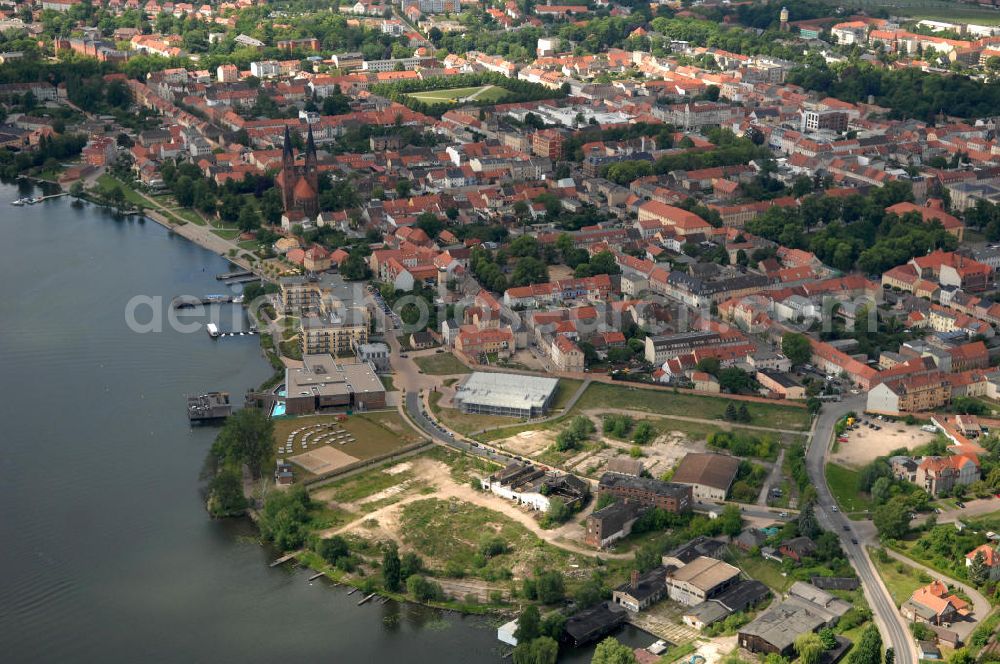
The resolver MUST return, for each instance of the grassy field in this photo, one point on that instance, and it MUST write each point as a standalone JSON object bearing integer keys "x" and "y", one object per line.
{"x": 449, "y": 534}
{"x": 486, "y": 93}
{"x": 899, "y": 578}
{"x": 466, "y": 423}
{"x": 662, "y": 402}
{"x": 106, "y": 182}
{"x": 366, "y": 484}
{"x": 227, "y": 233}
{"x": 767, "y": 572}
{"x": 565, "y": 390}
{"x": 843, "y": 485}
{"x": 441, "y": 364}
{"x": 374, "y": 433}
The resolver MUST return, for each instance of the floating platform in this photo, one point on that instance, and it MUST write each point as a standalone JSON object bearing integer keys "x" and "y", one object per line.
{"x": 209, "y": 406}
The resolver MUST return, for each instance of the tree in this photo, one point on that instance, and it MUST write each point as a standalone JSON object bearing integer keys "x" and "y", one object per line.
{"x": 610, "y": 651}
{"x": 411, "y": 564}
{"x": 227, "y": 493}
{"x": 391, "y": 568}
{"x": 809, "y": 648}
{"x": 643, "y": 433}
{"x": 731, "y": 520}
{"x": 881, "y": 490}
{"x": 543, "y": 650}
{"x": 893, "y": 518}
{"x": 978, "y": 574}
{"x": 247, "y": 437}
{"x": 558, "y": 511}
{"x": 890, "y": 655}
{"x": 828, "y": 638}
{"x": 529, "y": 270}
{"x": 550, "y": 587}
{"x": 808, "y": 525}
{"x": 796, "y": 347}
{"x": 647, "y": 557}
{"x": 528, "y": 624}
{"x": 869, "y": 647}
{"x": 332, "y": 549}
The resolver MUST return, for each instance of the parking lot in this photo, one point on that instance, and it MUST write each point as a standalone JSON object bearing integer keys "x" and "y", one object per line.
{"x": 864, "y": 444}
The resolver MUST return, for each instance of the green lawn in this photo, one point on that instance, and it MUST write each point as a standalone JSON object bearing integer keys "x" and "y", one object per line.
{"x": 565, "y": 390}
{"x": 374, "y": 433}
{"x": 448, "y": 536}
{"x": 767, "y": 572}
{"x": 452, "y": 95}
{"x": 843, "y": 484}
{"x": 899, "y": 578}
{"x": 105, "y": 182}
{"x": 466, "y": 423}
{"x": 441, "y": 364}
{"x": 663, "y": 402}
{"x": 227, "y": 233}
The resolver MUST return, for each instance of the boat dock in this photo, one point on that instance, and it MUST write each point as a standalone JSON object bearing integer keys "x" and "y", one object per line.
{"x": 315, "y": 576}
{"x": 190, "y": 301}
{"x": 284, "y": 559}
{"x": 37, "y": 199}
{"x": 366, "y": 599}
{"x": 235, "y": 274}
{"x": 242, "y": 280}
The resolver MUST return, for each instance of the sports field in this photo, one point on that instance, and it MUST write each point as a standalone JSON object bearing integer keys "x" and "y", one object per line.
{"x": 485, "y": 93}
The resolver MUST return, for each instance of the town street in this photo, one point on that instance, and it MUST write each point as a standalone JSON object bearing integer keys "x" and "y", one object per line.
{"x": 895, "y": 632}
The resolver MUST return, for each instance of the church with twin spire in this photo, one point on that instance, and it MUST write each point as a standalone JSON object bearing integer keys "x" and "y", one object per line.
{"x": 299, "y": 182}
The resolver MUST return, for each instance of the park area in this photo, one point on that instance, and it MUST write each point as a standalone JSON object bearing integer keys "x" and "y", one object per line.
{"x": 320, "y": 444}
{"x": 482, "y": 93}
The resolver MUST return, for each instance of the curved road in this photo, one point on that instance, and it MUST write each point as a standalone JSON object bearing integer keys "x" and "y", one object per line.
{"x": 894, "y": 629}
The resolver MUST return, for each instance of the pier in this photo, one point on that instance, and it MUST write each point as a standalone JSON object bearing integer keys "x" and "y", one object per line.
{"x": 190, "y": 302}
{"x": 284, "y": 559}
{"x": 245, "y": 279}
{"x": 226, "y": 276}
{"x": 366, "y": 599}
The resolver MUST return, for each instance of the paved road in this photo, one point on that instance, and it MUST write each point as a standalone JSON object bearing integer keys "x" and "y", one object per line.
{"x": 773, "y": 478}
{"x": 894, "y": 629}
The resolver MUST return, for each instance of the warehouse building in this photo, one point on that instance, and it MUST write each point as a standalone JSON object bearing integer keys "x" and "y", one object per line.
{"x": 709, "y": 475}
{"x": 505, "y": 394}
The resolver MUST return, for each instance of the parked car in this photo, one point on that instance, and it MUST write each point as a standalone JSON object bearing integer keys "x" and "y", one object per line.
{"x": 961, "y": 505}
{"x": 854, "y": 540}
{"x": 847, "y": 528}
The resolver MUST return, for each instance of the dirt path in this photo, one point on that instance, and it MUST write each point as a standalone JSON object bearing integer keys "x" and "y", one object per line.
{"x": 446, "y": 488}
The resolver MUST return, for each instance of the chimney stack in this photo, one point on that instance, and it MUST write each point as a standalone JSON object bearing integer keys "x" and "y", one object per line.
{"x": 635, "y": 580}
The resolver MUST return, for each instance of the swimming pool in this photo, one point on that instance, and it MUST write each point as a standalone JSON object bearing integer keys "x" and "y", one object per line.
{"x": 279, "y": 406}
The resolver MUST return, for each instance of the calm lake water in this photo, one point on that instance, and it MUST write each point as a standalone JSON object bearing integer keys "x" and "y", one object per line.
{"x": 106, "y": 552}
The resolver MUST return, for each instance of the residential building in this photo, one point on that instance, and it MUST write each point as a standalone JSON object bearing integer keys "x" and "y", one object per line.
{"x": 991, "y": 560}
{"x": 934, "y": 604}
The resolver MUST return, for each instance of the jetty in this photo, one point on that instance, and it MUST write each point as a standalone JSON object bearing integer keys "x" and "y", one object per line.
{"x": 315, "y": 576}
{"x": 190, "y": 301}
{"x": 284, "y": 559}
{"x": 235, "y": 274}
{"x": 242, "y": 280}
{"x": 366, "y": 599}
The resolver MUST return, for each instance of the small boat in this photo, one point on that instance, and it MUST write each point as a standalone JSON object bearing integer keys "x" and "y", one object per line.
{"x": 21, "y": 201}
{"x": 213, "y": 330}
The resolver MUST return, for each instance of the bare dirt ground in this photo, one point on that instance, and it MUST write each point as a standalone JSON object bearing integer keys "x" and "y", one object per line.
{"x": 322, "y": 460}
{"x": 383, "y": 523}
{"x": 864, "y": 444}
{"x": 528, "y": 443}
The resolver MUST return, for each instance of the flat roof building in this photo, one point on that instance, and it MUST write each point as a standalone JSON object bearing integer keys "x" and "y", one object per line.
{"x": 323, "y": 383}
{"x": 505, "y": 394}
{"x": 701, "y": 579}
